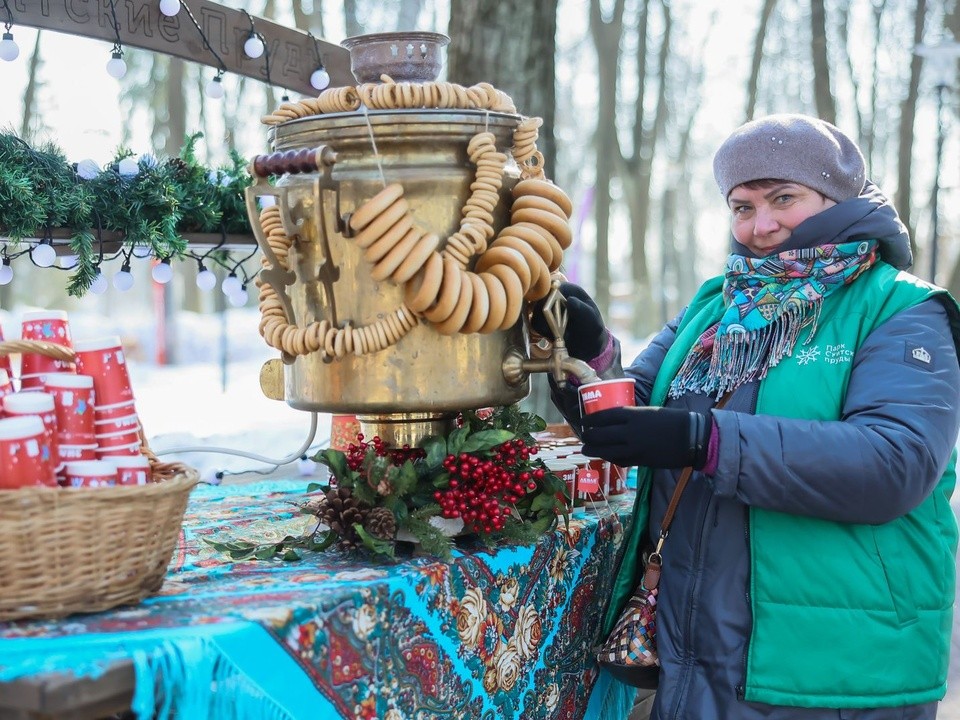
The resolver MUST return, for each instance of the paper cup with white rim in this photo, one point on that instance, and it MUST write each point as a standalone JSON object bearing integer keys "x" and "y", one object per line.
{"x": 567, "y": 472}
{"x": 131, "y": 449}
{"x": 24, "y": 460}
{"x": 606, "y": 394}
{"x": 71, "y": 453}
{"x": 131, "y": 469}
{"x": 118, "y": 439}
{"x": 90, "y": 474}
{"x": 42, "y": 405}
{"x": 103, "y": 359}
{"x": 74, "y": 400}
{"x": 47, "y": 326}
{"x": 120, "y": 424}
{"x": 105, "y": 413}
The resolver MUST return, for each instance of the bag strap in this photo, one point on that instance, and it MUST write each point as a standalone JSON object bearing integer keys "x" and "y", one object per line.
{"x": 651, "y": 574}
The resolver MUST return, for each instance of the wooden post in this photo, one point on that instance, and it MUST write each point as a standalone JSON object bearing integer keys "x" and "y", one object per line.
{"x": 293, "y": 56}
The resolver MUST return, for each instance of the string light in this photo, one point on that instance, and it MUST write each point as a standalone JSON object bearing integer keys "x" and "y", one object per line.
{"x": 99, "y": 284}
{"x": 6, "y": 272}
{"x": 162, "y": 272}
{"x": 142, "y": 251}
{"x": 116, "y": 67}
{"x": 128, "y": 167}
{"x": 170, "y": 8}
{"x": 123, "y": 279}
{"x": 231, "y": 285}
{"x": 239, "y": 298}
{"x": 206, "y": 279}
{"x": 43, "y": 255}
{"x": 319, "y": 78}
{"x": 254, "y": 45}
{"x": 214, "y": 89}
{"x": 68, "y": 262}
{"x": 9, "y": 50}
{"x": 88, "y": 169}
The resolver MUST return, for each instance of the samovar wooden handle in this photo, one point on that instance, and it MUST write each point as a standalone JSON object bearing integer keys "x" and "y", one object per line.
{"x": 293, "y": 162}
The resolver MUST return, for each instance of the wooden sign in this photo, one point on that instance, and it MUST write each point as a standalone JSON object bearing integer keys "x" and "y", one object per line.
{"x": 292, "y": 53}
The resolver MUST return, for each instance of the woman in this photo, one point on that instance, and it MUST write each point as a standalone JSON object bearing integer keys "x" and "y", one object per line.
{"x": 809, "y": 570}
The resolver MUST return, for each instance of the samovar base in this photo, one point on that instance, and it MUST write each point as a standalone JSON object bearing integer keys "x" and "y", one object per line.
{"x": 399, "y": 429}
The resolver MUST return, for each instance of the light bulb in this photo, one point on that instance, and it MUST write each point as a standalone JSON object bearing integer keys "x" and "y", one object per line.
{"x": 6, "y": 272}
{"x": 142, "y": 251}
{"x": 239, "y": 298}
{"x": 88, "y": 169}
{"x": 214, "y": 89}
{"x": 162, "y": 273}
{"x": 9, "y": 50}
{"x": 320, "y": 78}
{"x": 306, "y": 466}
{"x": 99, "y": 284}
{"x": 206, "y": 280}
{"x": 169, "y": 7}
{"x": 43, "y": 255}
{"x": 116, "y": 67}
{"x": 123, "y": 280}
{"x": 231, "y": 285}
{"x": 128, "y": 167}
{"x": 67, "y": 262}
{"x": 253, "y": 47}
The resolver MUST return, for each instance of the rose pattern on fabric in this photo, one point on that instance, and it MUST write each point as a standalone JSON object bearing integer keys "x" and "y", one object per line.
{"x": 493, "y": 634}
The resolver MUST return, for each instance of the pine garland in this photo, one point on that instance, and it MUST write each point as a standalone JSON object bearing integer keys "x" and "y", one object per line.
{"x": 40, "y": 190}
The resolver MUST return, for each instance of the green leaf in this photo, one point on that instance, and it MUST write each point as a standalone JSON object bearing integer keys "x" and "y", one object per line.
{"x": 436, "y": 449}
{"x": 319, "y": 546}
{"x": 314, "y": 486}
{"x": 364, "y": 493}
{"x": 543, "y": 502}
{"x": 406, "y": 479}
{"x": 376, "y": 467}
{"x": 381, "y": 547}
{"x": 267, "y": 553}
{"x": 456, "y": 440}
{"x": 290, "y": 555}
{"x": 426, "y": 511}
{"x": 442, "y": 480}
{"x": 485, "y": 440}
{"x": 335, "y": 460}
{"x": 432, "y": 541}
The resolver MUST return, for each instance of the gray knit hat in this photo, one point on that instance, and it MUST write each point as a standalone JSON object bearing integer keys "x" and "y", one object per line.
{"x": 798, "y": 148}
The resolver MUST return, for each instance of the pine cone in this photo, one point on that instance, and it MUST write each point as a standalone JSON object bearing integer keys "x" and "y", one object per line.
{"x": 381, "y": 524}
{"x": 340, "y": 513}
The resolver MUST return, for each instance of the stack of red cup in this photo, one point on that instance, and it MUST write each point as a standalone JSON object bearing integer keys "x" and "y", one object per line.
{"x": 48, "y": 326}
{"x": 40, "y": 404}
{"x": 90, "y": 474}
{"x": 5, "y": 359}
{"x": 24, "y": 459}
{"x": 116, "y": 425}
{"x": 6, "y": 385}
{"x": 131, "y": 469}
{"x": 74, "y": 405}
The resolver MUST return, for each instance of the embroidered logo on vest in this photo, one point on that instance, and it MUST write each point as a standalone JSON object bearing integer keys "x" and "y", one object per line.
{"x": 922, "y": 355}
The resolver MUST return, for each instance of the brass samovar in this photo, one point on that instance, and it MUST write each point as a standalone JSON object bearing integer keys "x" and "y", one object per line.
{"x": 349, "y": 341}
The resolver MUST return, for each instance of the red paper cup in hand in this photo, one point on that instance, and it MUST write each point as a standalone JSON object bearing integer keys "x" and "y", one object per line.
{"x": 24, "y": 459}
{"x": 73, "y": 401}
{"x": 606, "y": 394}
{"x": 103, "y": 360}
{"x": 131, "y": 469}
{"x": 39, "y": 404}
{"x": 90, "y": 473}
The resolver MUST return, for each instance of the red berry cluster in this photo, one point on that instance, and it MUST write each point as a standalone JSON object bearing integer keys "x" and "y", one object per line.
{"x": 398, "y": 456}
{"x": 481, "y": 490}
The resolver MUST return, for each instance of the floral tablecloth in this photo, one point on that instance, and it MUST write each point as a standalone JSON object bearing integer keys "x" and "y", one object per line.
{"x": 502, "y": 633}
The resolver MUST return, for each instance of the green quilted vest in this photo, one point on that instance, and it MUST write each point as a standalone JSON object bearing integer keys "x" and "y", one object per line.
{"x": 844, "y": 615}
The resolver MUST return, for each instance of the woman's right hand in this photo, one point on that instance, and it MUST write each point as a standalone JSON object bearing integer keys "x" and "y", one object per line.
{"x": 585, "y": 334}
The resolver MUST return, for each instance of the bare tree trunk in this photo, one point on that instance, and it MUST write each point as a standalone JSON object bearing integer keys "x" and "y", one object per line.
{"x": 848, "y": 65}
{"x": 29, "y": 118}
{"x": 878, "y": 8}
{"x": 908, "y": 111}
{"x": 826, "y": 106}
{"x": 312, "y": 21}
{"x": 765, "y": 12}
{"x": 351, "y": 19}
{"x": 511, "y": 45}
{"x": 410, "y": 13}
{"x": 606, "y": 38}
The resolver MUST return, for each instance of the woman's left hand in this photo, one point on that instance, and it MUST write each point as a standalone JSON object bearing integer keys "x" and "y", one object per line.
{"x": 650, "y": 436}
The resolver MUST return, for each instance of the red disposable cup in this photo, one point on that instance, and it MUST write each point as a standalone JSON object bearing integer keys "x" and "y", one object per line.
{"x": 118, "y": 439}
{"x": 618, "y": 479}
{"x": 6, "y": 386}
{"x": 106, "y": 413}
{"x": 131, "y": 449}
{"x": 567, "y": 472}
{"x": 131, "y": 469}
{"x": 606, "y": 394}
{"x": 112, "y": 425}
{"x": 47, "y": 326}
{"x": 42, "y": 405}
{"x": 24, "y": 459}
{"x": 343, "y": 432}
{"x": 73, "y": 399}
{"x": 103, "y": 359}
{"x": 70, "y": 453}
{"x": 90, "y": 474}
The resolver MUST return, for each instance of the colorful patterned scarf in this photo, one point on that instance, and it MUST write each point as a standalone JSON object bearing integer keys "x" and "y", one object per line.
{"x": 768, "y": 302}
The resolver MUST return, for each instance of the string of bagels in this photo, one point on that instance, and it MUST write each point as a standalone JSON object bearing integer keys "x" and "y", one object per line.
{"x": 512, "y": 266}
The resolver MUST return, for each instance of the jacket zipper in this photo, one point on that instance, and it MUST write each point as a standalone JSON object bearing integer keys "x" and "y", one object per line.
{"x": 741, "y": 689}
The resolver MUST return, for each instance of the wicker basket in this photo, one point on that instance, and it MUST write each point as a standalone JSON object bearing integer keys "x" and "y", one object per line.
{"x": 69, "y": 550}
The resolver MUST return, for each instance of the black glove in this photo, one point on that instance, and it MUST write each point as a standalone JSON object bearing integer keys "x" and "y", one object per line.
{"x": 650, "y": 436}
{"x": 585, "y": 336}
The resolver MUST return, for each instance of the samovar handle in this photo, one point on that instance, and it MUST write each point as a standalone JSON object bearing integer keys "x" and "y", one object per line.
{"x": 289, "y": 162}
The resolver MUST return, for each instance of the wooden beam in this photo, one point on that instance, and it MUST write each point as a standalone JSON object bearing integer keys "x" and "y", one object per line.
{"x": 293, "y": 57}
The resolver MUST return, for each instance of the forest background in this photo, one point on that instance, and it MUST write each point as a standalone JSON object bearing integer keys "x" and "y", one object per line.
{"x": 635, "y": 94}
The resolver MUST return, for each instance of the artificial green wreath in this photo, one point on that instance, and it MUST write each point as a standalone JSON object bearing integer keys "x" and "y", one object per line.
{"x": 40, "y": 190}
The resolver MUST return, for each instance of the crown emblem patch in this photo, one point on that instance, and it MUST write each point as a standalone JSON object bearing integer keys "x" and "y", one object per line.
{"x": 920, "y": 354}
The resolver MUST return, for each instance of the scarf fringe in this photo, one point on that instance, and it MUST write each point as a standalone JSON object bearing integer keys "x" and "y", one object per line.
{"x": 192, "y": 678}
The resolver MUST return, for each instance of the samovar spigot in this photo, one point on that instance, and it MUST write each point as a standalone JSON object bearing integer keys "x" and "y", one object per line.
{"x": 516, "y": 367}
